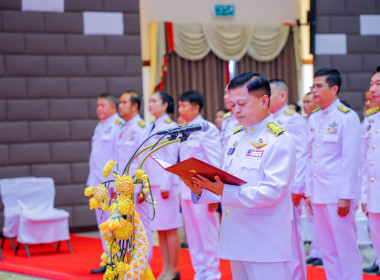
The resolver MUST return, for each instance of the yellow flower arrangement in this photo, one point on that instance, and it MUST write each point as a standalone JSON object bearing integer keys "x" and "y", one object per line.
{"x": 139, "y": 174}
{"x": 115, "y": 222}
{"x": 89, "y": 191}
{"x": 125, "y": 205}
{"x": 108, "y": 168}
{"x": 94, "y": 203}
{"x": 100, "y": 192}
{"x": 124, "y": 232}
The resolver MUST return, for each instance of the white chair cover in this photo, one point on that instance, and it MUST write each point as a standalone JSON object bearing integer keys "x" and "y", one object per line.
{"x": 12, "y": 209}
{"x": 40, "y": 222}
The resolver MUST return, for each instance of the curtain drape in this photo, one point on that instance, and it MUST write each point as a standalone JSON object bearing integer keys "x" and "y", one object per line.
{"x": 284, "y": 66}
{"x": 206, "y": 76}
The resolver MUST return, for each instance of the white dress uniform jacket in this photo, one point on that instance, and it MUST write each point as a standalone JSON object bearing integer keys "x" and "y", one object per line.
{"x": 167, "y": 211}
{"x": 256, "y": 223}
{"x": 334, "y": 138}
{"x": 371, "y": 177}
{"x": 102, "y": 148}
{"x": 296, "y": 127}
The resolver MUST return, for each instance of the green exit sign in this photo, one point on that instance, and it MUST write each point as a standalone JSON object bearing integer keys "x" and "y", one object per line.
{"x": 224, "y": 10}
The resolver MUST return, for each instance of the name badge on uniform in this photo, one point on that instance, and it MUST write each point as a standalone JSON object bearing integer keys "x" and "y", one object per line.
{"x": 254, "y": 153}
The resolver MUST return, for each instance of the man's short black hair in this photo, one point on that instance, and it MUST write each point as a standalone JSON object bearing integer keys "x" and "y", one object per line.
{"x": 377, "y": 70}
{"x": 111, "y": 98}
{"x": 332, "y": 77}
{"x": 134, "y": 97}
{"x": 254, "y": 82}
{"x": 194, "y": 97}
{"x": 166, "y": 98}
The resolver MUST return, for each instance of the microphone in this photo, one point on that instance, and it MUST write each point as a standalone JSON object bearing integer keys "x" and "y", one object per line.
{"x": 203, "y": 126}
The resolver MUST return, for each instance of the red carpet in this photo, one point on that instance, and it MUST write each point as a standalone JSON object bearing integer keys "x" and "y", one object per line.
{"x": 63, "y": 265}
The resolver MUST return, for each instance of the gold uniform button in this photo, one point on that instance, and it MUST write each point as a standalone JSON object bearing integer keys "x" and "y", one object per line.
{"x": 377, "y": 131}
{"x": 315, "y": 160}
{"x": 238, "y": 155}
{"x": 245, "y": 137}
{"x": 232, "y": 172}
{"x": 227, "y": 212}
{"x": 372, "y": 163}
{"x": 374, "y": 147}
{"x": 372, "y": 179}
{"x": 252, "y": 129}
{"x": 315, "y": 175}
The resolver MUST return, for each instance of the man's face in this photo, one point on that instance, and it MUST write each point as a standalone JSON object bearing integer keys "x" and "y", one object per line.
{"x": 226, "y": 98}
{"x": 308, "y": 104}
{"x": 374, "y": 89}
{"x": 247, "y": 108}
{"x": 219, "y": 119}
{"x": 105, "y": 109}
{"x": 323, "y": 94}
{"x": 277, "y": 99}
{"x": 188, "y": 111}
{"x": 125, "y": 106}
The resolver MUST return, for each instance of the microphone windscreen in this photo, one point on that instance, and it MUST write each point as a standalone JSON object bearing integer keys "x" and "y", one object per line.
{"x": 205, "y": 126}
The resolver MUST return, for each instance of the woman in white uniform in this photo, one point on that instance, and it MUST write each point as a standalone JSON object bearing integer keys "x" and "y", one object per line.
{"x": 164, "y": 186}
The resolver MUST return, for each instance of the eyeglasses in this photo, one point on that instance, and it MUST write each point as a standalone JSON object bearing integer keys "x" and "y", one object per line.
{"x": 318, "y": 86}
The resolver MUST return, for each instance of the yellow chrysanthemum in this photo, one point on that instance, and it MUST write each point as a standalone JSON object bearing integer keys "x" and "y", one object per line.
{"x": 124, "y": 232}
{"x": 110, "y": 273}
{"x": 124, "y": 185}
{"x": 122, "y": 267}
{"x": 112, "y": 247}
{"x": 139, "y": 173}
{"x": 144, "y": 177}
{"x": 145, "y": 190}
{"x": 113, "y": 206}
{"x": 100, "y": 192}
{"x": 102, "y": 264}
{"x": 108, "y": 167}
{"x": 105, "y": 206}
{"x": 89, "y": 191}
{"x": 94, "y": 203}
{"x": 107, "y": 236}
{"x": 114, "y": 222}
{"x": 125, "y": 205}
{"x": 104, "y": 257}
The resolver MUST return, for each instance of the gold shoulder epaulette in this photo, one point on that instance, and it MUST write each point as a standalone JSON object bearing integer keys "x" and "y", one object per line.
{"x": 372, "y": 111}
{"x": 168, "y": 120}
{"x": 141, "y": 124}
{"x": 316, "y": 109}
{"x": 289, "y": 112}
{"x": 238, "y": 129}
{"x": 119, "y": 121}
{"x": 344, "y": 109}
{"x": 226, "y": 115}
{"x": 275, "y": 128}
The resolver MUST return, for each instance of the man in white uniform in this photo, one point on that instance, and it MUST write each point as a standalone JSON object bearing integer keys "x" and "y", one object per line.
{"x": 295, "y": 125}
{"x": 315, "y": 257}
{"x": 130, "y": 135}
{"x": 103, "y": 149}
{"x": 334, "y": 188}
{"x": 256, "y": 225}
{"x": 371, "y": 182}
{"x": 229, "y": 123}
{"x": 200, "y": 223}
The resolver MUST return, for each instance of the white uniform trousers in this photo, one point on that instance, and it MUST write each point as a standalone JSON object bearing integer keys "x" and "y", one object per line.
{"x": 337, "y": 238}
{"x": 202, "y": 236}
{"x": 298, "y": 250}
{"x": 101, "y": 217}
{"x": 374, "y": 227}
{"x": 314, "y": 251}
{"x": 261, "y": 271}
{"x": 144, "y": 210}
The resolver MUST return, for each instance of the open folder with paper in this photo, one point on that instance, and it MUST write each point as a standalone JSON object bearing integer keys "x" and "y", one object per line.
{"x": 192, "y": 166}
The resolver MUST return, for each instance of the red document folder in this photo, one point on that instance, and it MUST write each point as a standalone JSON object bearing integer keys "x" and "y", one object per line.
{"x": 192, "y": 166}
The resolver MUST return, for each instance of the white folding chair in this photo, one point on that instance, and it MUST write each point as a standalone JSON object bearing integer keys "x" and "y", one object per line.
{"x": 40, "y": 222}
{"x": 12, "y": 209}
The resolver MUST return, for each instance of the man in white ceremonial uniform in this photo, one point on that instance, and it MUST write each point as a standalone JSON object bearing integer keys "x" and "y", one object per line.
{"x": 315, "y": 257}
{"x": 334, "y": 188}
{"x": 371, "y": 178}
{"x": 103, "y": 150}
{"x": 256, "y": 229}
{"x": 200, "y": 221}
{"x": 295, "y": 125}
{"x": 130, "y": 135}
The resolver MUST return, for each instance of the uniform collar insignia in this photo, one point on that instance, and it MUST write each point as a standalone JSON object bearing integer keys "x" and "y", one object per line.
{"x": 168, "y": 120}
{"x": 316, "y": 109}
{"x": 238, "y": 129}
{"x": 344, "y": 109}
{"x": 289, "y": 112}
{"x": 141, "y": 124}
{"x": 372, "y": 111}
{"x": 119, "y": 121}
{"x": 226, "y": 115}
{"x": 334, "y": 124}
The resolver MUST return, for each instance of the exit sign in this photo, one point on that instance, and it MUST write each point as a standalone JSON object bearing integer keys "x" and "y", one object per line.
{"x": 224, "y": 10}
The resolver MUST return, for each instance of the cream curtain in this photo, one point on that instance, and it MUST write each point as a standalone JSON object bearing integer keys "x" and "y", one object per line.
{"x": 193, "y": 41}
